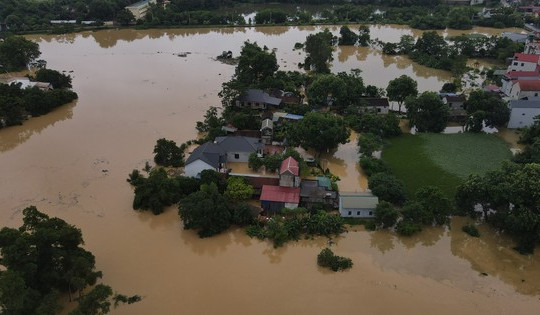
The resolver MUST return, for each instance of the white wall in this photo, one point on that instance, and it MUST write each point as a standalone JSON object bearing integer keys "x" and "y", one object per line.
{"x": 242, "y": 157}
{"x": 194, "y": 169}
{"x": 522, "y": 66}
{"x": 356, "y": 213}
{"x": 522, "y": 117}
{"x": 517, "y": 94}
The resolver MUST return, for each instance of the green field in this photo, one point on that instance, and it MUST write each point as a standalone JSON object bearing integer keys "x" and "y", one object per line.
{"x": 443, "y": 160}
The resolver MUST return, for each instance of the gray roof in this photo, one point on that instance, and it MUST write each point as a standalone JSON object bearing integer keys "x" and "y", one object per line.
{"x": 239, "y": 144}
{"x": 515, "y": 37}
{"x": 358, "y": 201}
{"x": 267, "y": 123}
{"x": 210, "y": 153}
{"x": 524, "y": 104}
{"x": 259, "y": 96}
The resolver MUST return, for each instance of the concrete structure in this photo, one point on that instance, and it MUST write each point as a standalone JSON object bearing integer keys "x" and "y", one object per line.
{"x": 267, "y": 131}
{"x": 516, "y": 37}
{"x": 522, "y": 113}
{"x": 377, "y": 105}
{"x": 525, "y": 89}
{"x": 140, "y": 8}
{"x": 357, "y": 205}
{"x": 511, "y": 77}
{"x": 258, "y": 99}
{"x": 524, "y": 62}
{"x": 289, "y": 173}
{"x": 238, "y": 149}
{"x": 25, "y": 83}
{"x": 208, "y": 156}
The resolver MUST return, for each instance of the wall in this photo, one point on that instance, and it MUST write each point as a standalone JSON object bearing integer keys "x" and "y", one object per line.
{"x": 522, "y": 117}
{"x": 357, "y": 213}
{"x": 522, "y": 66}
{"x": 242, "y": 156}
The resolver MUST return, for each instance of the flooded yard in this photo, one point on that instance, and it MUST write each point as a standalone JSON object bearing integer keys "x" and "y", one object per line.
{"x": 133, "y": 89}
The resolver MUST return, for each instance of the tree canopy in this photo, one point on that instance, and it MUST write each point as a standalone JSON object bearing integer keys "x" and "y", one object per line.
{"x": 16, "y": 52}
{"x": 399, "y": 89}
{"x": 495, "y": 110}
{"x": 427, "y": 112}
{"x": 319, "y": 48}
{"x": 321, "y": 132}
{"x": 167, "y": 153}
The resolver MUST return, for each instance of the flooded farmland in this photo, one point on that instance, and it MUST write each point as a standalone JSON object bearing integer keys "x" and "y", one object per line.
{"x": 133, "y": 89}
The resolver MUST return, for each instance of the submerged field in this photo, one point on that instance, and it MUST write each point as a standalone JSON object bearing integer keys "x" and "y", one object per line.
{"x": 443, "y": 160}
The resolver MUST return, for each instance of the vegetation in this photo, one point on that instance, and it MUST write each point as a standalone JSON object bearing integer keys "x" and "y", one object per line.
{"x": 44, "y": 259}
{"x": 16, "y": 52}
{"x": 238, "y": 189}
{"x": 387, "y": 187}
{"x": 386, "y": 215}
{"x": 328, "y": 259}
{"x": 401, "y": 88}
{"x": 427, "y": 112}
{"x": 488, "y": 106}
{"x": 56, "y": 79}
{"x": 471, "y": 230}
{"x": 369, "y": 143}
{"x": 371, "y": 165}
{"x": 319, "y": 48}
{"x": 321, "y": 132}
{"x": 293, "y": 223}
{"x": 385, "y": 126}
{"x": 167, "y": 153}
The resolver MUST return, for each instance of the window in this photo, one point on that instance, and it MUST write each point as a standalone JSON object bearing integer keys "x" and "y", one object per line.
{"x": 357, "y": 212}
{"x": 523, "y": 114}
{"x": 522, "y": 64}
{"x": 350, "y": 212}
{"x": 371, "y": 213}
{"x": 378, "y": 110}
{"x": 535, "y": 94}
{"x": 515, "y": 63}
{"x": 237, "y": 156}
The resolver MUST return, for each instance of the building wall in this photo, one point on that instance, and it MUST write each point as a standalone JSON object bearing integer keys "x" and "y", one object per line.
{"x": 517, "y": 94}
{"x": 522, "y": 66}
{"x": 357, "y": 213}
{"x": 376, "y": 109}
{"x": 195, "y": 168}
{"x": 253, "y": 105}
{"x": 507, "y": 87}
{"x": 286, "y": 180}
{"x": 238, "y": 156}
{"x": 522, "y": 117}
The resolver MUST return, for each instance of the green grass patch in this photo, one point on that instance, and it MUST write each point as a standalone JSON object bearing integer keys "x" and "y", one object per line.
{"x": 465, "y": 153}
{"x": 442, "y": 160}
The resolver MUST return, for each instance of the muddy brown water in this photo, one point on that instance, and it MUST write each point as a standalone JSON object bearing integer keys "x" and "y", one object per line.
{"x": 73, "y": 162}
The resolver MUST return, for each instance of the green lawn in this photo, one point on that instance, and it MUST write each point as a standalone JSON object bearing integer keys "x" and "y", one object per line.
{"x": 442, "y": 160}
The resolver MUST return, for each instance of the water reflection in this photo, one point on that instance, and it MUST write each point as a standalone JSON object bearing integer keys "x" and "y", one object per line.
{"x": 11, "y": 137}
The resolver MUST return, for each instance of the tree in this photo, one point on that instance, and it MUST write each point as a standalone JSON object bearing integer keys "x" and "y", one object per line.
{"x": 387, "y": 187}
{"x": 432, "y": 201}
{"x": 363, "y": 36}
{"x": 125, "y": 17}
{"x": 328, "y": 259}
{"x": 255, "y": 64}
{"x": 386, "y": 215}
{"x": 56, "y": 79}
{"x": 322, "y": 132}
{"x": 496, "y": 111}
{"x": 401, "y": 88}
{"x": 167, "y": 153}
{"x": 427, "y": 112}
{"x": 347, "y": 37}
{"x": 95, "y": 301}
{"x": 238, "y": 189}
{"x": 16, "y": 52}
{"x": 369, "y": 143}
{"x": 371, "y": 165}
{"x": 206, "y": 211}
{"x": 531, "y": 154}
{"x": 319, "y": 48}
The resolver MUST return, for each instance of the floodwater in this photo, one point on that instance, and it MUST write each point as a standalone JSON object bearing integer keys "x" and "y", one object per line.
{"x": 73, "y": 163}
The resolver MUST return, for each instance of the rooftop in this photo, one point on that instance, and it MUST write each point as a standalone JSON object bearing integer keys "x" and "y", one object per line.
{"x": 375, "y": 101}
{"x": 524, "y": 104}
{"x": 289, "y": 165}
{"x": 280, "y": 194}
{"x": 238, "y": 144}
{"x": 259, "y": 96}
{"x": 141, "y": 4}
{"x": 526, "y": 57}
{"x": 358, "y": 200}
{"x": 523, "y": 74}
{"x": 209, "y": 152}
{"x": 529, "y": 85}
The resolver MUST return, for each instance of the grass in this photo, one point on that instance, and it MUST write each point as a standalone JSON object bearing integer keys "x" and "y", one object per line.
{"x": 442, "y": 160}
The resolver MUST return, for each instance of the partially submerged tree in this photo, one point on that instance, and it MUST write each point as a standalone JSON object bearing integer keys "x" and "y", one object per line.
{"x": 321, "y": 132}
{"x": 427, "y": 112}
{"x": 167, "y": 153}
{"x": 401, "y": 88}
{"x": 319, "y": 48}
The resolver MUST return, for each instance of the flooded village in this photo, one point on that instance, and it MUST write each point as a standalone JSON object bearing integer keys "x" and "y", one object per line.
{"x": 137, "y": 86}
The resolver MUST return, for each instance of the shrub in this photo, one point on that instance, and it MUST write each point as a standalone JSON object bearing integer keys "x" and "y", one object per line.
{"x": 408, "y": 228}
{"x": 471, "y": 230}
{"x": 328, "y": 259}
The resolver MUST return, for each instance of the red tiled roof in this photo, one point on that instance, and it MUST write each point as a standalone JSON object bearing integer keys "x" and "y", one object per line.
{"x": 523, "y": 74}
{"x": 289, "y": 164}
{"x": 492, "y": 88}
{"x": 280, "y": 194}
{"x": 529, "y": 85}
{"x": 526, "y": 57}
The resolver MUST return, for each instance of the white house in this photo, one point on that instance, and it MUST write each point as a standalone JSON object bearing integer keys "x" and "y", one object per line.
{"x": 357, "y": 205}
{"x": 140, "y": 8}
{"x": 25, "y": 83}
{"x": 525, "y": 89}
{"x": 208, "y": 156}
{"x": 524, "y": 62}
{"x": 379, "y": 105}
{"x": 238, "y": 149}
{"x": 511, "y": 77}
{"x": 522, "y": 113}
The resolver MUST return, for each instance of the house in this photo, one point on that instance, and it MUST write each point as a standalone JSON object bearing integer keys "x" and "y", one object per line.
{"x": 357, "y": 205}
{"x": 492, "y": 88}
{"x": 287, "y": 98}
{"x": 524, "y": 62}
{"x": 525, "y": 89}
{"x": 522, "y": 113}
{"x": 377, "y": 105}
{"x": 516, "y": 37}
{"x": 318, "y": 192}
{"x": 257, "y": 99}
{"x": 208, "y": 156}
{"x": 25, "y": 83}
{"x": 140, "y": 8}
{"x": 238, "y": 149}
{"x": 455, "y": 102}
{"x": 267, "y": 131}
{"x": 511, "y": 77}
{"x": 275, "y": 198}
{"x": 289, "y": 173}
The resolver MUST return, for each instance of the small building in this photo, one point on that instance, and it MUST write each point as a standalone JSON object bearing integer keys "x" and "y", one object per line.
{"x": 379, "y": 105}
{"x": 525, "y": 89}
{"x": 357, "y": 205}
{"x": 63, "y": 21}
{"x": 258, "y": 99}
{"x": 140, "y": 8}
{"x": 511, "y": 77}
{"x": 318, "y": 193}
{"x": 524, "y": 62}
{"x": 455, "y": 102}
{"x": 289, "y": 173}
{"x": 267, "y": 131}
{"x": 208, "y": 156}
{"x": 522, "y": 113}
{"x": 275, "y": 198}
{"x": 516, "y": 37}
{"x": 238, "y": 149}
{"x": 25, "y": 83}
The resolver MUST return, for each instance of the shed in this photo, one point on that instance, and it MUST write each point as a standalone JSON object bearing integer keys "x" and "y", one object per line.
{"x": 357, "y": 205}
{"x": 275, "y": 198}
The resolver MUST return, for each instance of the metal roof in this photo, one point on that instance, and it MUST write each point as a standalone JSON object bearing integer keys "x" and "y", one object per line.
{"x": 210, "y": 153}
{"x": 280, "y": 194}
{"x": 239, "y": 144}
{"x": 524, "y": 104}
{"x": 259, "y": 96}
{"x": 289, "y": 165}
{"x": 358, "y": 201}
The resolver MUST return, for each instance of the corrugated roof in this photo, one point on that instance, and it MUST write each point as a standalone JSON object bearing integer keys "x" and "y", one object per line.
{"x": 358, "y": 201}
{"x": 324, "y": 181}
{"x": 455, "y": 98}
{"x": 280, "y": 194}
{"x": 208, "y": 152}
{"x": 524, "y": 74}
{"x": 289, "y": 165}
{"x": 526, "y": 57}
{"x": 259, "y": 96}
{"x": 267, "y": 123}
{"x": 529, "y": 85}
{"x": 293, "y": 116}
{"x": 375, "y": 101}
{"x": 524, "y": 104}
{"x": 239, "y": 144}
